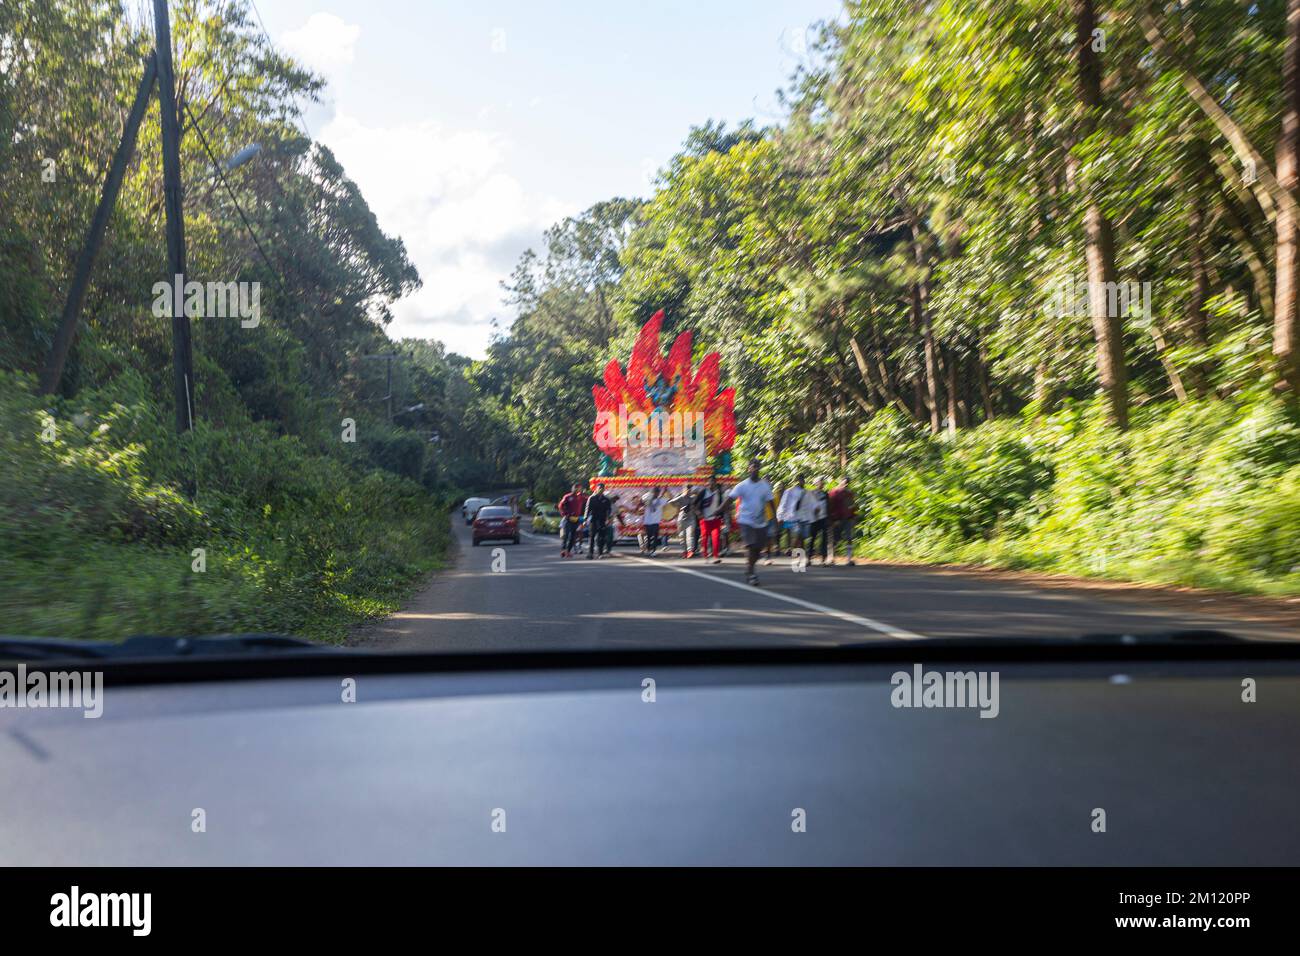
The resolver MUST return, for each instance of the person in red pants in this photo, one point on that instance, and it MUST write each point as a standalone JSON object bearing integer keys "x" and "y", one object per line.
{"x": 712, "y": 505}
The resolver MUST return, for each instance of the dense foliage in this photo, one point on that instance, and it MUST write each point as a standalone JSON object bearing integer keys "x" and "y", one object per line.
{"x": 892, "y": 276}
{"x": 99, "y": 541}
{"x": 102, "y": 506}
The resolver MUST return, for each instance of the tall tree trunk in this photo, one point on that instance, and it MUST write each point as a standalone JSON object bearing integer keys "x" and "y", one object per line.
{"x": 1240, "y": 223}
{"x": 921, "y": 310}
{"x": 1098, "y": 237}
{"x": 921, "y": 315}
{"x": 1171, "y": 370}
{"x": 1198, "y": 320}
{"x": 986, "y": 397}
{"x": 1286, "y": 332}
{"x": 950, "y": 375}
{"x": 918, "y": 399}
{"x": 881, "y": 388}
{"x": 1274, "y": 190}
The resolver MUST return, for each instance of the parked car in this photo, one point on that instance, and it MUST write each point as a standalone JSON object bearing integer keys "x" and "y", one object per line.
{"x": 546, "y": 519}
{"x": 495, "y": 522}
{"x": 471, "y": 507}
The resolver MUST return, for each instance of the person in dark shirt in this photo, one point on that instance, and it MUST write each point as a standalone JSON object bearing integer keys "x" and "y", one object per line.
{"x": 819, "y": 529}
{"x": 842, "y": 512}
{"x": 614, "y": 525}
{"x": 597, "y": 514}
{"x": 688, "y": 519}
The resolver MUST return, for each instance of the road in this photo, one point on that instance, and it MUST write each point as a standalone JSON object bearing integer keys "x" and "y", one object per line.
{"x": 535, "y": 600}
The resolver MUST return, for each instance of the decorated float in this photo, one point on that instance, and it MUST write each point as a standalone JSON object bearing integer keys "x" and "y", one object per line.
{"x": 661, "y": 422}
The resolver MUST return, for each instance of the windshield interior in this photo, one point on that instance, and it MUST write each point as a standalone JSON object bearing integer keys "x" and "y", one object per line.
{"x": 844, "y": 322}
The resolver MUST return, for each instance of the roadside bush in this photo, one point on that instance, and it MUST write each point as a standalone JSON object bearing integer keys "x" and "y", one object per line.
{"x": 931, "y": 494}
{"x": 395, "y": 450}
{"x": 97, "y": 535}
{"x": 1202, "y": 493}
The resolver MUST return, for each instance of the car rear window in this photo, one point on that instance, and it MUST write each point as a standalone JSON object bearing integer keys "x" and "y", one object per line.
{"x": 498, "y": 512}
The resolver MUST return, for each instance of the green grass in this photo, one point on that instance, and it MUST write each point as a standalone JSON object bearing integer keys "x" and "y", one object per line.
{"x": 97, "y": 538}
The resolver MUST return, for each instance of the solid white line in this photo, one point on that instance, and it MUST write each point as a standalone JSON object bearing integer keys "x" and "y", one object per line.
{"x": 887, "y": 629}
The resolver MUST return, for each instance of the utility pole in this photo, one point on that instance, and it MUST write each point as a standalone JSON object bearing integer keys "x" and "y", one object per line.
{"x": 67, "y": 331}
{"x": 157, "y": 68}
{"x": 182, "y": 358}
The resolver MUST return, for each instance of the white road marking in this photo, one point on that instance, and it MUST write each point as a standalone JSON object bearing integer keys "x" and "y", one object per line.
{"x": 878, "y": 626}
{"x": 886, "y": 629}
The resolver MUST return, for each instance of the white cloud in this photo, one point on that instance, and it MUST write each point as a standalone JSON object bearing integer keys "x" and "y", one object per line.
{"x": 464, "y": 219}
{"x": 325, "y": 43}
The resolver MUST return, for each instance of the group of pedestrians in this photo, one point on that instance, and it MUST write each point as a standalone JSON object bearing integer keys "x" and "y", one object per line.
{"x": 583, "y": 515}
{"x": 814, "y": 521}
{"x": 703, "y": 519}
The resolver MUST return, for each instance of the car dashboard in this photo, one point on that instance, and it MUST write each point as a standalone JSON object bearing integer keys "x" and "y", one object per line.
{"x": 663, "y": 759}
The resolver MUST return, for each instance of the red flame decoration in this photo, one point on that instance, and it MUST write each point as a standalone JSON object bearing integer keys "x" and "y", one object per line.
{"x": 694, "y": 390}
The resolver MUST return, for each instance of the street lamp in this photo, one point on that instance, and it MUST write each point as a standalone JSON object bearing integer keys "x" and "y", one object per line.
{"x": 241, "y": 157}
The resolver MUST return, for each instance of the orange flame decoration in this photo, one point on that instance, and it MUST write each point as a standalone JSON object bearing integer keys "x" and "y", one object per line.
{"x": 671, "y": 379}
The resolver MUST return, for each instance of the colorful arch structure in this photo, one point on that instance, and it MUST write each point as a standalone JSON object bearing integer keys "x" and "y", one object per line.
{"x": 661, "y": 421}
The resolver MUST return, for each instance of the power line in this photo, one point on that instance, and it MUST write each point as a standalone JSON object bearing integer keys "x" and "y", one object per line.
{"x": 233, "y": 198}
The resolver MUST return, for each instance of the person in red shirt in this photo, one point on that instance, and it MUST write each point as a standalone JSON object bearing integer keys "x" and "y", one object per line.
{"x": 571, "y": 508}
{"x": 841, "y": 515}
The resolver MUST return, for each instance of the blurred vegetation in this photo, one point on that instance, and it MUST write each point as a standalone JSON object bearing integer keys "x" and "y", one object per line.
{"x": 101, "y": 503}
{"x": 99, "y": 542}
{"x": 1206, "y": 493}
{"x": 881, "y": 272}
{"x": 878, "y": 270}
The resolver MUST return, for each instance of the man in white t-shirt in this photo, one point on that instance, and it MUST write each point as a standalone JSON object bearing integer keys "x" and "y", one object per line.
{"x": 754, "y": 494}
{"x": 794, "y": 513}
{"x": 651, "y": 518}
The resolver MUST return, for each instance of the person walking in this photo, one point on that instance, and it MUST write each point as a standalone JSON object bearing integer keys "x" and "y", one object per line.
{"x": 817, "y": 524}
{"x": 614, "y": 525}
{"x": 596, "y": 515}
{"x": 792, "y": 512}
{"x": 651, "y": 517}
{"x": 581, "y": 537}
{"x": 842, "y": 512}
{"x": 754, "y": 500}
{"x": 688, "y": 519}
{"x": 712, "y": 506}
{"x": 571, "y": 508}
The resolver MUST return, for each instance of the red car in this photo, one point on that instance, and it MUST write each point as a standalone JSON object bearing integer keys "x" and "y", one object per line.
{"x": 495, "y": 521}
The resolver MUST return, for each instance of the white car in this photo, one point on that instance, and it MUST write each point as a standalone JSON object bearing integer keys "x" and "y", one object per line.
{"x": 470, "y": 508}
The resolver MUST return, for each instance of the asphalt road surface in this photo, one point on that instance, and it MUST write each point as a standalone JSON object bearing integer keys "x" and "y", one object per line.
{"x": 501, "y": 596}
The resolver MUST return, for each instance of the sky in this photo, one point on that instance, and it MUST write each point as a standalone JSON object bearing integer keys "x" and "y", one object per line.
{"x": 472, "y": 127}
